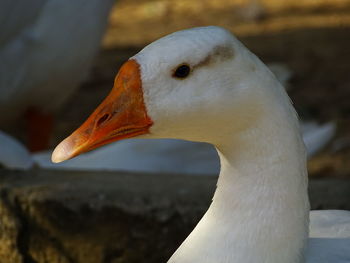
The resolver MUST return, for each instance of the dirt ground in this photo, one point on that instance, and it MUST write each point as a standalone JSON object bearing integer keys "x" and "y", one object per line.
{"x": 310, "y": 37}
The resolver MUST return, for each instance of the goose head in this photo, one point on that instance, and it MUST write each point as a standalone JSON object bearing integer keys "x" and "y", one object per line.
{"x": 202, "y": 84}
{"x": 199, "y": 84}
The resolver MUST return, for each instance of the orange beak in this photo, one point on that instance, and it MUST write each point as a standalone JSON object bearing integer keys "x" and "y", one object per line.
{"x": 121, "y": 115}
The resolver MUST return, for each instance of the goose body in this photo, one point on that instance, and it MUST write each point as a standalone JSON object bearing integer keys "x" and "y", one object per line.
{"x": 46, "y": 49}
{"x": 203, "y": 85}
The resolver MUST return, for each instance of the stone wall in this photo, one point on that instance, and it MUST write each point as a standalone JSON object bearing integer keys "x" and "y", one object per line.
{"x": 89, "y": 217}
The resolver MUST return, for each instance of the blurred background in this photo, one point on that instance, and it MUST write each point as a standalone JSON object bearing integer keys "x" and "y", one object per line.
{"x": 76, "y": 50}
{"x": 307, "y": 42}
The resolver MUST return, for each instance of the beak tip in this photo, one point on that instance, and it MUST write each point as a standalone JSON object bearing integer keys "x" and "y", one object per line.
{"x": 57, "y": 156}
{"x": 62, "y": 152}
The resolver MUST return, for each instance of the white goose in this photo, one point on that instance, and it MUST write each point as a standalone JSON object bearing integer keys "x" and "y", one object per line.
{"x": 203, "y": 85}
{"x": 46, "y": 50}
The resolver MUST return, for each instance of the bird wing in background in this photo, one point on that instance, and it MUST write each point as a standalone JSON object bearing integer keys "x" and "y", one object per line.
{"x": 42, "y": 61}
{"x": 13, "y": 155}
{"x": 16, "y": 21}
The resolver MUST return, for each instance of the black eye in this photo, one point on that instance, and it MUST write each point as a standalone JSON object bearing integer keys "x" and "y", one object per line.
{"x": 182, "y": 71}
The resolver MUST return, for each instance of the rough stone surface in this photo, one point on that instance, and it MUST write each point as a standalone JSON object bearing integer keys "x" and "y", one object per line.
{"x": 88, "y": 217}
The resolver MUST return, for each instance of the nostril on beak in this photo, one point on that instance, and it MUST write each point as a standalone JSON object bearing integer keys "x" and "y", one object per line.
{"x": 103, "y": 119}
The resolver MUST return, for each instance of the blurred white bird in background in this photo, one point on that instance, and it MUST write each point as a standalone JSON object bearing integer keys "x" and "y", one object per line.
{"x": 46, "y": 50}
